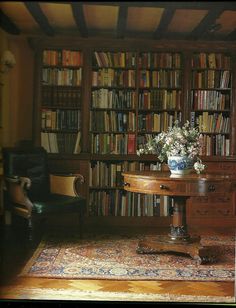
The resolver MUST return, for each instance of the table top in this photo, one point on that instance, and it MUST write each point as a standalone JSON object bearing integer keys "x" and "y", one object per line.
{"x": 166, "y": 175}
{"x": 163, "y": 183}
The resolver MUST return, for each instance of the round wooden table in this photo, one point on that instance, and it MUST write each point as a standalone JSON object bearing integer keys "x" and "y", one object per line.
{"x": 180, "y": 188}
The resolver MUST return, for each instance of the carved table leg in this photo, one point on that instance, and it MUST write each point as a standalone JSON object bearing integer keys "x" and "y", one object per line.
{"x": 178, "y": 240}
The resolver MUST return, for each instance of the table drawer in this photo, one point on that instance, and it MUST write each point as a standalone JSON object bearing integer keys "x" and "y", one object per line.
{"x": 203, "y": 188}
{"x": 210, "y": 210}
{"x": 211, "y": 206}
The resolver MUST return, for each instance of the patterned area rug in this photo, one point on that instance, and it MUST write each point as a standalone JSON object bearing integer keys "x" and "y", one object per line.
{"x": 110, "y": 256}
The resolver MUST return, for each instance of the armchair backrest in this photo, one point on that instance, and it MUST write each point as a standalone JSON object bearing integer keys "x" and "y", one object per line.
{"x": 31, "y": 163}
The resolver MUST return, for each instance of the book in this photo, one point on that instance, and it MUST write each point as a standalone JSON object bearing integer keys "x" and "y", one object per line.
{"x": 131, "y": 144}
{"x": 77, "y": 148}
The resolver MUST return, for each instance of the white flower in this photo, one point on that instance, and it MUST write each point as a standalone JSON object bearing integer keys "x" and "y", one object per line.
{"x": 176, "y": 140}
{"x": 199, "y": 166}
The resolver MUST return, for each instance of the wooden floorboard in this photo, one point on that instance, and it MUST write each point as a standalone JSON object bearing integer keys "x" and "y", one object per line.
{"x": 12, "y": 286}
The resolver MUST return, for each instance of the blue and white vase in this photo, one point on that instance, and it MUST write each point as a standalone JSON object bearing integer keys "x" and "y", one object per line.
{"x": 180, "y": 165}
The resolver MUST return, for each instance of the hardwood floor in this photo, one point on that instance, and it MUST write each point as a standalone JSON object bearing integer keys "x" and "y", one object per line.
{"x": 15, "y": 253}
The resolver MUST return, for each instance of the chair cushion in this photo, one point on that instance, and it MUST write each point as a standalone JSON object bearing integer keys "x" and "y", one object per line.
{"x": 58, "y": 203}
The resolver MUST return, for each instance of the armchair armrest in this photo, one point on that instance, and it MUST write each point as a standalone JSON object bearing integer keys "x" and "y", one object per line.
{"x": 16, "y": 188}
{"x": 65, "y": 184}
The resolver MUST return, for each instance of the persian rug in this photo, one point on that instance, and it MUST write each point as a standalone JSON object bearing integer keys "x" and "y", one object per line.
{"x": 112, "y": 256}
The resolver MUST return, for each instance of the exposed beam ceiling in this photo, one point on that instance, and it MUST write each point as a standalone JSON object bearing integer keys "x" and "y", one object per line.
{"x": 78, "y": 14}
{"x": 122, "y": 19}
{"x": 165, "y": 20}
{"x": 7, "y": 25}
{"x": 158, "y": 20}
{"x": 204, "y": 25}
{"x": 39, "y": 17}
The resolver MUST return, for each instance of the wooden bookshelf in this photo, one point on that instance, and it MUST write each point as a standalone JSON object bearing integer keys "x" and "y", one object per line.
{"x": 61, "y": 97}
{"x": 130, "y": 91}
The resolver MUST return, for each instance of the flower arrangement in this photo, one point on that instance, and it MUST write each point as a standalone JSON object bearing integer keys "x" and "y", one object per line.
{"x": 183, "y": 141}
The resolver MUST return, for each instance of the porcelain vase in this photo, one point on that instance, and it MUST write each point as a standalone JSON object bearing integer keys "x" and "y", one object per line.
{"x": 180, "y": 165}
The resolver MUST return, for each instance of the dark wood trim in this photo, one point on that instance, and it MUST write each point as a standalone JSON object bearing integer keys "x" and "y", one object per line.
{"x": 206, "y": 22}
{"x": 121, "y": 23}
{"x": 130, "y": 44}
{"x": 7, "y": 25}
{"x": 165, "y": 20}
{"x": 231, "y": 36}
{"x": 39, "y": 17}
{"x": 78, "y": 14}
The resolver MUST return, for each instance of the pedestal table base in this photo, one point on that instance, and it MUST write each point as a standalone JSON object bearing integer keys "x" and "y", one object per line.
{"x": 190, "y": 246}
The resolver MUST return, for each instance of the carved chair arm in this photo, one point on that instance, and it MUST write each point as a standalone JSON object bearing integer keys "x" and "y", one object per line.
{"x": 65, "y": 184}
{"x": 16, "y": 188}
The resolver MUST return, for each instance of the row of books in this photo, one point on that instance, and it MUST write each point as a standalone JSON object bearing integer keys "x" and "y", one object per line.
{"x": 62, "y": 57}
{"x": 62, "y": 76}
{"x": 211, "y": 79}
{"x": 118, "y": 203}
{"x": 105, "y": 121}
{"x": 213, "y": 122}
{"x": 103, "y": 174}
{"x": 67, "y": 143}
{"x": 162, "y": 122}
{"x": 113, "y": 98}
{"x": 155, "y": 122}
{"x": 212, "y": 100}
{"x": 113, "y": 78}
{"x": 60, "y": 119}
{"x": 211, "y": 60}
{"x": 162, "y": 78}
{"x": 110, "y": 143}
{"x": 215, "y": 145}
{"x": 107, "y": 174}
{"x": 160, "y": 99}
{"x": 160, "y": 60}
{"x": 114, "y": 59}
{"x": 61, "y": 96}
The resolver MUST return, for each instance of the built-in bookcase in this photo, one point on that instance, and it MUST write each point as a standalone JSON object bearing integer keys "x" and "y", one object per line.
{"x": 211, "y": 101}
{"x": 160, "y": 76}
{"x": 96, "y": 103}
{"x": 61, "y": 101}
{"x": 112, "y": 131}
{"x": 112, "y": 115}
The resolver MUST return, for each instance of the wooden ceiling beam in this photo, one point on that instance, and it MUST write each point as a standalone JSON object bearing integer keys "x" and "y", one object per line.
{"x": 122, "y": 20}
{"x": 165, "y": 20}
{"x": 205, "y": 24}
{"x": 38, "y": 15}
{"x": 78, "y": 14}
{"x": 7, "y": 25}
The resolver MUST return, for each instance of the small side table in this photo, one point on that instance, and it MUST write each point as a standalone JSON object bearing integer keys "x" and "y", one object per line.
{"x": 180, "y": 188}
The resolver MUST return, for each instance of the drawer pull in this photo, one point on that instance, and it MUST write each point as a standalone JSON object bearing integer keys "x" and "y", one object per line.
{"x": 163, "y": 187}
{"x": 211, "y": 188}
{"x": 126, "y": 184}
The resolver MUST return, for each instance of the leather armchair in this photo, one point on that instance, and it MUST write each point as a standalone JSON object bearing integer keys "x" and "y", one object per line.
{"x": 34, "y": 194}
